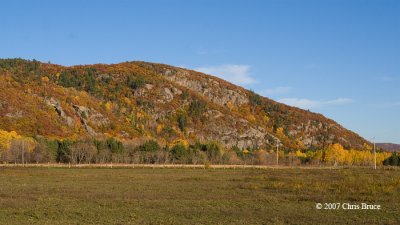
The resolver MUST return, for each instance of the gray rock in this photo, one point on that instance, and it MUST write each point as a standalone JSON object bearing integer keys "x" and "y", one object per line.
{"x": 15, "y": 114}
{"x": 87, "y": 115}
{"x": 176, "y": 91}
{"x": 217, "y": 94}
{"x": 307, "y": 141}
{"x": 168, "y": 95}
{"x": 148, "y": 86}
{"x": 57, "y": 106}
{"x": 83, "y": 114}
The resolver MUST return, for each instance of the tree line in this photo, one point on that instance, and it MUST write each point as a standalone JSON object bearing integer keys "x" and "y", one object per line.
{"x": 18, "y": 149}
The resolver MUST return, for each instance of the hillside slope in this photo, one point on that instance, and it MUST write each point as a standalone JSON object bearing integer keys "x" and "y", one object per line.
{"x": 146, "y": 100}
{"x": 389, "y": 147}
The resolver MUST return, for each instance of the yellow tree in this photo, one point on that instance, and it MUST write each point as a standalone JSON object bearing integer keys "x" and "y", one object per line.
{"x": 350, "y": 158}
{"x": 22, "y": 146}
{"x": 335, "y": 154}
{"x": 317, "y": 157}
{"x": 300, "y": 154}
{"x": 282, "y": 136}
{"x": 5, "y": 141}
{"x": 182, "y": 142}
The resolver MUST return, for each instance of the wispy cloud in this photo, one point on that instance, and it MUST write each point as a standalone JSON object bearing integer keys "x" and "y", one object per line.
{"x": 312, "y": 104}
{"x": 275, "y": 91}
{"x": 237, "y": 74}
{"x": 389, "y": 78}
{"x": 183, "y": 66}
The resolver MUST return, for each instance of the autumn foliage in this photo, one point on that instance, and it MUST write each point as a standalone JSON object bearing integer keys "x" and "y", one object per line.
{"x": 104, "y": 113}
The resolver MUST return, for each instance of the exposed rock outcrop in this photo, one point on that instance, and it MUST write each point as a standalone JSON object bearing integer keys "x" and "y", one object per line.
{"x": 87, "y": 116}
{"x": 209, "y": 88}
{"x": 57, "y": 106}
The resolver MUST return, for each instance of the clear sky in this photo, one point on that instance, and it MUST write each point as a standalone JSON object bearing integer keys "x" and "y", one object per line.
{"x": 338, "y": 58}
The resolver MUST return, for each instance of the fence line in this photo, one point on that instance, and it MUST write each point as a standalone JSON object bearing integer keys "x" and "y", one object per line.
{"x": 190, "y": 166}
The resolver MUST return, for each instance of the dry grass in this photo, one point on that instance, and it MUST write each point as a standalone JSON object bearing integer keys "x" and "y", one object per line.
{"x": 194, "y": 196}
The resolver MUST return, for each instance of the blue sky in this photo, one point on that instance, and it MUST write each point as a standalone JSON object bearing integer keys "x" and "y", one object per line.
{"x": 338, "y": 58}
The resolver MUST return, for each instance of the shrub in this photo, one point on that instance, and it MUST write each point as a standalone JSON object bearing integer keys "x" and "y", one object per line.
{"x": 149, "y": 146}
{"x": 213, "y": 150}
{"x": 115, "y": 146}
{"x": 182, "y": 121}
{"x": 178, "y": 152}
{"x": 185, "y": 94}
{"x": 197, "y": 108}
{"x": 168, "y": 132}
{"x": 255, "y": 99}
{"x": 230, "y": 157}
{"x": 136, "y": 81}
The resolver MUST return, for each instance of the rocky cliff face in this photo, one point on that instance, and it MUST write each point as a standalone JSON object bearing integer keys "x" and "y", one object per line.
{"x": 136, "y": 99}
{"x": 209, "y": 87}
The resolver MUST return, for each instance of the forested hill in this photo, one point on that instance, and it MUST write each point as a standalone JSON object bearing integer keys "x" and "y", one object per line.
{"x": 389, "y": 147}
{"x": 140, "y": 100}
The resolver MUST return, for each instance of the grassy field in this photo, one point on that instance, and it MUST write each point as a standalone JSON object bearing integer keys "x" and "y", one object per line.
{"x": 195, "y": 196}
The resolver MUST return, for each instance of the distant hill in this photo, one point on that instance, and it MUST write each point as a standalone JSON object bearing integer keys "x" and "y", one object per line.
{"x": 148, "y": 100}
{"x": 389, "y": 147}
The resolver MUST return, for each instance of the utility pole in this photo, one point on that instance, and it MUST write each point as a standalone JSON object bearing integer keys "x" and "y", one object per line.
{"x": 374, "y": 154}
{"x": 22, "y": 151}
{"x": 277, "y": 152}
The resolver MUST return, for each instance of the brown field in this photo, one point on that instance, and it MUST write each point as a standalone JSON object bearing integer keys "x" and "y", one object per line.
{"x": 141, "y": 195}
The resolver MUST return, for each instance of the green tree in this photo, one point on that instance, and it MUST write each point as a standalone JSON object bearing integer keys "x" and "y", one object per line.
{"x": 393, "y": 160}
{"x": 178, "y": 152}
{"x": 63, "y": 151}
{"x": 115, "y": 146}
{"x": 149, "y": 146}
{"x": 197, "y": 108}
{"x": 182, "y": 121}
{"x": 255, "y": 99}
{"x": 136, "y": 81}
{"x": 213, "y": 150}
